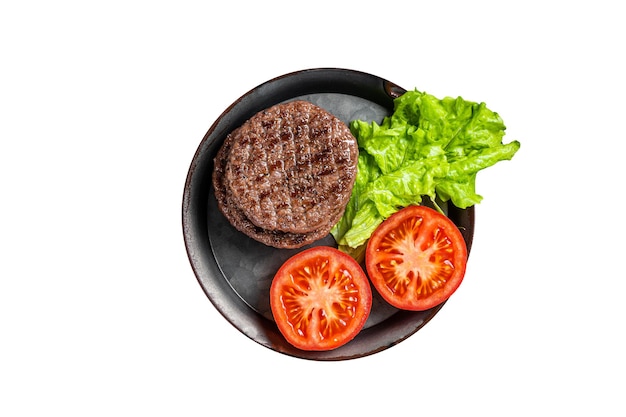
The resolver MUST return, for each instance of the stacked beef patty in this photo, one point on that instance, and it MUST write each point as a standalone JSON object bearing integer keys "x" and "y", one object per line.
{"x": 285, "y": 176}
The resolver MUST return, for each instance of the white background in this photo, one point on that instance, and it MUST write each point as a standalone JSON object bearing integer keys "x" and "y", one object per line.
{"x": 102, "y": 106}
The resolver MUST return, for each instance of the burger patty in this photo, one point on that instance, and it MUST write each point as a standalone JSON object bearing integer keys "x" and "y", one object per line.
{"x": 285, "y": 176}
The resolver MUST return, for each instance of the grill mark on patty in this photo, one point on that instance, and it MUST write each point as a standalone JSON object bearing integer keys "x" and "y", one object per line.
{"x": 238, "y": 219}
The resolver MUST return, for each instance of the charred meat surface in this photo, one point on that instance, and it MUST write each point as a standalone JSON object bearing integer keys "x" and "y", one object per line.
{"x": 285, "y": 176}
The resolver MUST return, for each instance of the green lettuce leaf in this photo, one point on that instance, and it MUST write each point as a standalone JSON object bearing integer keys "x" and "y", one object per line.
{"x": 427, "y": 147}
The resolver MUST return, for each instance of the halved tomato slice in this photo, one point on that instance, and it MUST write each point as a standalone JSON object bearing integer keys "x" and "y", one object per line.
{"x": 416, "y": 258}
{"x": 320, "y": 299}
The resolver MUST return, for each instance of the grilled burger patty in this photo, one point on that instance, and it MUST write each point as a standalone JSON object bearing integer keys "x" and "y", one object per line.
{"x": 285, "y": 176}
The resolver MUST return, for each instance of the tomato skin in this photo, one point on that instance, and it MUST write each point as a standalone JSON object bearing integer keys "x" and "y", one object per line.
{"x": 320, "y": 299}
{"x": 416, "y": 259}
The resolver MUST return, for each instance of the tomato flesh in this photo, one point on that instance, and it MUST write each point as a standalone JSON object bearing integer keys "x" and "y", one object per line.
{"x": 320, "y": 299}
{"x": 416, "y": 259}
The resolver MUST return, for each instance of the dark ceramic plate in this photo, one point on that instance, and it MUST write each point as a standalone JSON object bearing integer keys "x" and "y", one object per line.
{"x": 235, "y": 271}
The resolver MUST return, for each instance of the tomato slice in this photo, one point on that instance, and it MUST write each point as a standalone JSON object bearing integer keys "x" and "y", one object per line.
{"x": 320, "y": 299}
{"x": 416, "y": 258}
